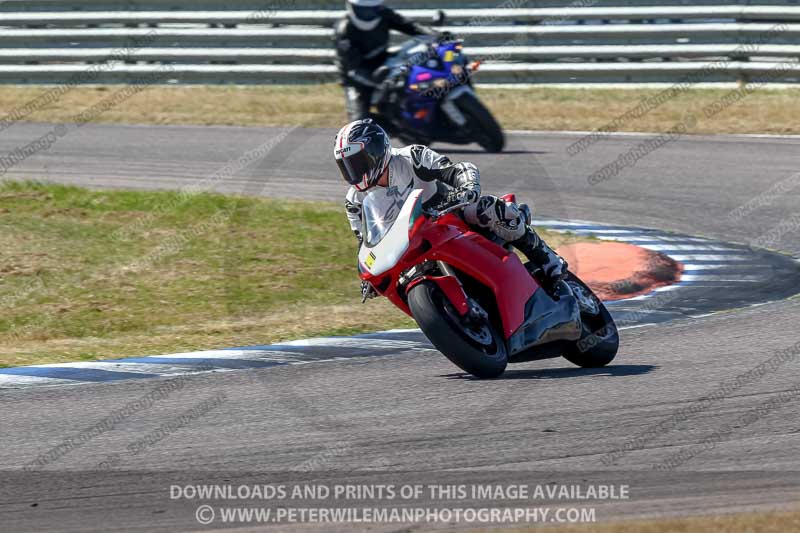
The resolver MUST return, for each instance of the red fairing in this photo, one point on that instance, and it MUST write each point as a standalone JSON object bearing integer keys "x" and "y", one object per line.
{"x": 450, "y": 240}
{"x": 451, "y": 288}
{"x": 495, "y": 267}
{"x": 511, "y": 197}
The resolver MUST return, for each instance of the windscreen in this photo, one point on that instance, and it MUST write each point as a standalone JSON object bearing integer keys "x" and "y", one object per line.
{"x": 379, "y": 213}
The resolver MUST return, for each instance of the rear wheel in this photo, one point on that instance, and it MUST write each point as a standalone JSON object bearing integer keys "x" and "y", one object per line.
{"x": 487, "y": 131}
{"x": 599, "y": 340}
{"x": 475, "y": 346}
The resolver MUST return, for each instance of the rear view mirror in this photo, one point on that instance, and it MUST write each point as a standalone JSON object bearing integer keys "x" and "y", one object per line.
{"x": 439, "y": 18}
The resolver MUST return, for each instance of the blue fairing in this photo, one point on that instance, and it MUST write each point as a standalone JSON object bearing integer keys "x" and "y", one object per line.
{"x": 422, "y": 97}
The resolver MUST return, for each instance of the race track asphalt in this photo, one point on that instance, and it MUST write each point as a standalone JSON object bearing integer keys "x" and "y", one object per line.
{"x": 697, "y": 415}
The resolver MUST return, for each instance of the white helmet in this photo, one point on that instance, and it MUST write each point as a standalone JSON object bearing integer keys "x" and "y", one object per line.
{"x": 365, "y": 14}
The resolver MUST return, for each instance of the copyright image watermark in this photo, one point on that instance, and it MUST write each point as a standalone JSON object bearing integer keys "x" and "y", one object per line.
{"x": 630, "y": 158}
{"x": 207, "y": 515}
{"x": 767, "y": 198}
{"x": 725, "y": 390}
{"x": 41, "y": 144}
{"x": 69, "y": 444}
{"x": 90, "y": 75}
{"x": 646, "y": 105}
{"x": 47, "y": 140}
{"x": 404, "y": 492}
{"x": 463, "y": 503}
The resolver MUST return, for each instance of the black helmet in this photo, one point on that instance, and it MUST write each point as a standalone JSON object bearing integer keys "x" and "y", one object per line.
{"x": 362, "y": 152}
{"x": 365, "y": 14}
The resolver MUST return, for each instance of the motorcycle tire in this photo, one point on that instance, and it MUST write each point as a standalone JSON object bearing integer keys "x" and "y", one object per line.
{"x": 448, "y": 333}
{"x": 488, "y": 133}
{"x": 599, "y": 340}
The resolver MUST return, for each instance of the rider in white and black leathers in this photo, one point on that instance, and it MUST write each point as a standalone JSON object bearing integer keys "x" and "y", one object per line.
{"x": 372, "y": 167}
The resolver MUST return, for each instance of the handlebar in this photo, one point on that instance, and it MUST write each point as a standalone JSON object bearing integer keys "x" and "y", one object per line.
{"x": 435, "y": 214}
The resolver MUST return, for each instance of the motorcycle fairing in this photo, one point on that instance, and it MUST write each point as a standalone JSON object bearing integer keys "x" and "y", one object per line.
{"x": 451, "y": 288}
{"x": 547, "y": 321}
{"x": 422, "y": 94}
{"x": 420, "y": 109}
{"x": 495, "y": 267}
{"x": 528, "y": 315}
{"x": 384, "y": 256}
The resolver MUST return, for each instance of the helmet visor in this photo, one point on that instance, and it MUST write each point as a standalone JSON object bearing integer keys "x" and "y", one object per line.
{"x": 366, "y": 13}
{"x": 358, "y": 169}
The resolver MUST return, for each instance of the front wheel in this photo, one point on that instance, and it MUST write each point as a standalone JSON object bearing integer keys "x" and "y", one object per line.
{"x": 482, "y": 123}
{"x": 476, "y": 348}
{"x": 599, "y": 340}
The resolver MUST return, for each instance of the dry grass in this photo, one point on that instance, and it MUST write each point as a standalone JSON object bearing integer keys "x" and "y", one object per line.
{"x": 219, "y": 331}
{"x": 235, "y": 106}
{"x": 765, "y": 111}
{"x": 772, "y": 522}
{"x": 762, "y": 111}
{"x": 102, "y": 274}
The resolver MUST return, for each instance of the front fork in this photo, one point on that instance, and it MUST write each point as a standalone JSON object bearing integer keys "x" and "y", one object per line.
{"x": 450, "y": 285}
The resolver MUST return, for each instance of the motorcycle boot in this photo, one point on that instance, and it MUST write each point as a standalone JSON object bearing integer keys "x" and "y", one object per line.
{"x": 553, "y": 266}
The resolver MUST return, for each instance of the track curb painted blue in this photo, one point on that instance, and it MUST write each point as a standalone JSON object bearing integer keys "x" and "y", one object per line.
{"x": 717, "y": 276}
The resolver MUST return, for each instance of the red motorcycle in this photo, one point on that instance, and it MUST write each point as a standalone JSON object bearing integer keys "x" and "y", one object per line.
{"x": 474, "y": 298}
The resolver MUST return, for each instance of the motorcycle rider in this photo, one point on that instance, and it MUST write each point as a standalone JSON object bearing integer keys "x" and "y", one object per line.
{"x": 362, "y": 42}
{"x": 371, "y": 166}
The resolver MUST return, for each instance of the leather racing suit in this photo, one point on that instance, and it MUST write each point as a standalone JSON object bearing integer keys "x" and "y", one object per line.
{"x": 359, "y": 53}
{"x": 419, "y": 167}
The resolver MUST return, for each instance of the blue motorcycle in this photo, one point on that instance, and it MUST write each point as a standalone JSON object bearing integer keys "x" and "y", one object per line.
{"x": 427, "y": 96}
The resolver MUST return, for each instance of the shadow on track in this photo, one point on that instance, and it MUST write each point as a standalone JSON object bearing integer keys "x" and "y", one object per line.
{"x": 562, "y": 373}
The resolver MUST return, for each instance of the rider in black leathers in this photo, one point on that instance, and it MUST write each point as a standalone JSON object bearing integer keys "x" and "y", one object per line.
{"x": 362, "y": 42}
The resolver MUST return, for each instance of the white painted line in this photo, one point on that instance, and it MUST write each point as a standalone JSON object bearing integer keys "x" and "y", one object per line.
{"x": 9, "y": 381}
{"x": 134, "y": 368}
{"x": 209, "y": 354}
{"x": 224, "y": 354}
{"x": 557, "y": 223}
{"x": 650, "y": 134}
{"x": 694, "y": 266}
{"x": 720, "y": 277}
{"x": 637, "y": 299}
{"x": 688, "y": 265}
{"x": 631, "y": 86}
{"x": 608, "y": 233}
{"x": 611, "y": 233}
{"x": 350, "y": 342}
{"x": 648, "y": 237}
{"x": 686, "y": 247}
{"x": 667, "y": 288}
{"x": 722, "y": 258}
{"x": 272, "y": 356}
{"x": 636, "y": 326}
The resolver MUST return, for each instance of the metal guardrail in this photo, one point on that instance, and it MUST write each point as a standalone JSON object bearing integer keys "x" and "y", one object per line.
{"x": 50, "y": 41}
{"x": 329, "y": 17}
{"x": 252, "y": 5}
{"x": 497, "y": 73}
{"x": 325, "y": 56}
{"x": 507, "y": 35}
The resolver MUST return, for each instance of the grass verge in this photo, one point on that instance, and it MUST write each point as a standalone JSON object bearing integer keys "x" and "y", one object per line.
{"x": 103, "y": 274}
{"x": 759, "y": 111}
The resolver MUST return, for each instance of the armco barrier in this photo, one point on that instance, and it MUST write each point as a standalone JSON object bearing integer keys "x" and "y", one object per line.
{"x": 465, "y": 15}
{"x": 287, "y": 41}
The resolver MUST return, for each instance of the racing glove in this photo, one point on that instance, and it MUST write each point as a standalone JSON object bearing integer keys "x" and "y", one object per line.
{"x": 445, "y": 37}
{"x": 367, "y": 291}
{"x": 468, "y": 195}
